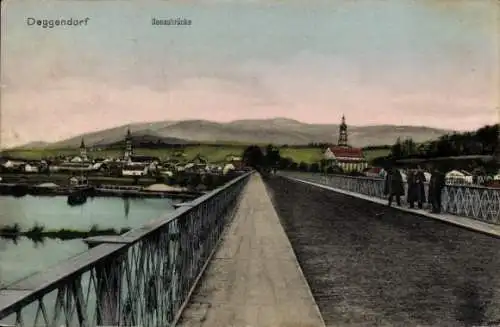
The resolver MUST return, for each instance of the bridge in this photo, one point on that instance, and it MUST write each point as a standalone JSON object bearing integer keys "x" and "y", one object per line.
{"x": 292, "y": 250}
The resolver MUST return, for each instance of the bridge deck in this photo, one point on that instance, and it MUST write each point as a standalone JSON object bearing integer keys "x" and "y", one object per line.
{"x": 371, "y": 265}
{"x": 254, "y": 278}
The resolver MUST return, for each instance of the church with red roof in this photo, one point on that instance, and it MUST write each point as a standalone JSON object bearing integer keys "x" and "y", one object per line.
{"x": 343, "y": 155}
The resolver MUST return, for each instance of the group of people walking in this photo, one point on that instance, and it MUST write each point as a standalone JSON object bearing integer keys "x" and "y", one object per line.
{"x": 394, "y": 188}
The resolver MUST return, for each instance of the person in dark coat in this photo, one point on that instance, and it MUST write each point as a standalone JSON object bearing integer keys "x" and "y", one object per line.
{"x": 436, "y": 185}
{"x": 421, "y": 180}
{"x": 416, "y": 188}
{"x": 411, "y": 179}
{"x": 393, "y": 186}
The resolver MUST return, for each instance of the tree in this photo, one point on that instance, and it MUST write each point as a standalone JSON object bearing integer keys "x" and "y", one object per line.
{"x": 181, "y": 179}
{"x": 303, "y": 166}
{"x": 408, "y": 148}
{"x": 285, "y": 163}
{"x": 314, "y": 167}
{"x": 272, "y": 156}
{"x": 194, "y": 180}
{"x": 397, "y": 149}
{"x": 443, "y": 146}
{"x": 253, "y": 157}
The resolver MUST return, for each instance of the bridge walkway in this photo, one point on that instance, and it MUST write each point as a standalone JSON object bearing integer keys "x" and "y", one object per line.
{"x": 254, "y": 278}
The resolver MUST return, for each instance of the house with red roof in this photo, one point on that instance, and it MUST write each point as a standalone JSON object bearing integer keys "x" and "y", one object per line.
{"x": 343, "y": 155}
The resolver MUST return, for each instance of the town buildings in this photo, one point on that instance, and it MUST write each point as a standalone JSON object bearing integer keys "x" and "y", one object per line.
{"x": 127, "y": 164}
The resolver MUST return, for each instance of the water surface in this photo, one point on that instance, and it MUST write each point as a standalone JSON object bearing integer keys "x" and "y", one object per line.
{"x": 24, "y": 257}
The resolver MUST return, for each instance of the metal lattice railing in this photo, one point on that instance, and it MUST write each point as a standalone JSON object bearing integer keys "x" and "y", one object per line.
{"x": 141, "y": 278}
{"x": 481, "y": 203}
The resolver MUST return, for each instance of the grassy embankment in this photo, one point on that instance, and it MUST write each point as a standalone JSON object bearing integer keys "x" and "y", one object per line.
{"x": 213, "y": 153}
{"x": 38, "y": 232}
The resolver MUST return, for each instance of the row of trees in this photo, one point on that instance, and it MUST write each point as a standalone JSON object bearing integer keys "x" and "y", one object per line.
{"x": 195, "y": 180}
{"x": 254, "y": 157}
{"x": 466, "y": 146}
{"x": 484, "y": 141}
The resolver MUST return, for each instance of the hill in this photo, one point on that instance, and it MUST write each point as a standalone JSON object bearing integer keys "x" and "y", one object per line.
{"x": 276, "y": 131}
{"x": 34, "y": 145}
{"x": 143, "y": 140}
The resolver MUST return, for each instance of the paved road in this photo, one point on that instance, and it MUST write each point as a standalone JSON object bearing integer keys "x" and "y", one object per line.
{"x": 254, "y": 279}
{"x": 370, "y": 265}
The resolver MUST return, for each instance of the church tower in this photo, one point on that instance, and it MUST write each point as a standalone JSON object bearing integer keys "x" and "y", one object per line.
{"x": 128, "y": 145}
{"x": 343, "y": 133}
{"x": 83, "y": 150}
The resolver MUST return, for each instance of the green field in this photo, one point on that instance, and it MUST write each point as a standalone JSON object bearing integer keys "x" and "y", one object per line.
{"x": 212, "y": 153}
{"x": 308, "y": 155}
{"x": 372, "y": 154}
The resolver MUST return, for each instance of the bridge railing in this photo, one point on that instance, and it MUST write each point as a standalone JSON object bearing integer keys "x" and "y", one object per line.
{"x": 141, "y": 278}
{"x": 481, "y": 203}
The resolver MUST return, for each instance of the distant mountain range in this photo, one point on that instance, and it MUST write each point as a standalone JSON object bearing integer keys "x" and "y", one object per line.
{"x": 262, "y": 131}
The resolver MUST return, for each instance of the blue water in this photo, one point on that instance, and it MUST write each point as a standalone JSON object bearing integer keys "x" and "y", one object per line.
{"x": 23, "y": 257}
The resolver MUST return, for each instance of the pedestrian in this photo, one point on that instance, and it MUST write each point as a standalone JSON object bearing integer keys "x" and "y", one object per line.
{"x": 436, "y": 185}
{"x": 393, "y": 186}
{"x": 411, "y": 197}
{"x": 421, "y": 180}
{"x": 416, "y": 188}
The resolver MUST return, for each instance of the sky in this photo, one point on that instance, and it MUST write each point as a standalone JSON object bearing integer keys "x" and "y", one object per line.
{"x": 404, "y": 62}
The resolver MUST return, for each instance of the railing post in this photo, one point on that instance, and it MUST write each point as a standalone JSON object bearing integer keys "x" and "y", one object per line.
{"x": 108, "y": 279}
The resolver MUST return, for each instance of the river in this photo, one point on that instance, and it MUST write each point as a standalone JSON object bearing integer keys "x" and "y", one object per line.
{"x": 24, "y": 257}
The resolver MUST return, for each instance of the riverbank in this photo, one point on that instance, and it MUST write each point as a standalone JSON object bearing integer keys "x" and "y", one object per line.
{"x": 140, "y": 193}
{"x": 20, "y": 190}
{"x": 39, "y": 232}
{"x": 33, "y": 179}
